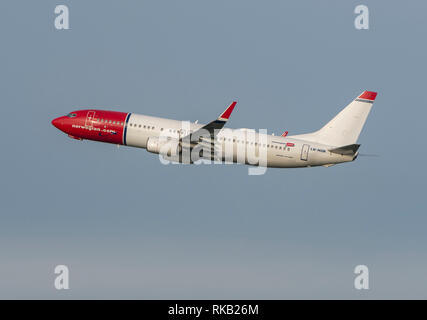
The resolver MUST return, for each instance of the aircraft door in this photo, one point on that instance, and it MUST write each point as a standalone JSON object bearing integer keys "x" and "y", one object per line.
{"x": 89, "y": 118}
{"x": 304, "y": 152}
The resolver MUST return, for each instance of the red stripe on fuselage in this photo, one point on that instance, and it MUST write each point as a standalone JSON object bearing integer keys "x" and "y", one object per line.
{"x": 98, "y": 125}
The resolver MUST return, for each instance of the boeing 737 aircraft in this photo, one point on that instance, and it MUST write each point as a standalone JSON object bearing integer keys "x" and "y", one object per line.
{"x": 334, "y": 143}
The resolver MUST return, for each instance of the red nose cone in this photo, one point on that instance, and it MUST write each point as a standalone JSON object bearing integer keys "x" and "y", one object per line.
{"x": 57, "y": 123}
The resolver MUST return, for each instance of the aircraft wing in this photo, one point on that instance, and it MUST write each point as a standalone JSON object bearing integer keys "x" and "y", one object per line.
{"x": 212, "y": 128}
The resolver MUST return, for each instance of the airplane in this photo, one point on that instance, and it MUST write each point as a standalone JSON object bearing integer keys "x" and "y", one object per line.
{"x": 334, "y": 143}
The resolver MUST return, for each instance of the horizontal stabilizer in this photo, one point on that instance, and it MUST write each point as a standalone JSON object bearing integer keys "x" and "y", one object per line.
{"x": 351, "y": 149}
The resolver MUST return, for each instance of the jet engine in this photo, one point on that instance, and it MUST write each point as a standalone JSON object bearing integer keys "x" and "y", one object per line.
{"x": 165, "y": 146}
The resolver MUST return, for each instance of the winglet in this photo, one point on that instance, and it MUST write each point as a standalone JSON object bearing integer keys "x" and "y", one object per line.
{"x": 284, "y": 134}
{"x": 226, "y": 114}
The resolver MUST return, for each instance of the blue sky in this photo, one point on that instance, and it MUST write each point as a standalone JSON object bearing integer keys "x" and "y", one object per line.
{"x": 129, "y": 227}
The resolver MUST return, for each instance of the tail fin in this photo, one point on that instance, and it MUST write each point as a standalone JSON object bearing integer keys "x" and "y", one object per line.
{"x": 344, "y": 129}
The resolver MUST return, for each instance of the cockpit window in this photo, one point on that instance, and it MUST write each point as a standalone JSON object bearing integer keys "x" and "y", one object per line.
{"x": 71, "y": 115}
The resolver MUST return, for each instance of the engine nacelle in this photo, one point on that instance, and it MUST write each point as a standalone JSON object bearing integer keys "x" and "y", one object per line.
{"x": 164, "y": 146}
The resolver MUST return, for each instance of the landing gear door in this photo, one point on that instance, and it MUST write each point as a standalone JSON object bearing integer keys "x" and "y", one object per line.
{"x": 304, "y": 152}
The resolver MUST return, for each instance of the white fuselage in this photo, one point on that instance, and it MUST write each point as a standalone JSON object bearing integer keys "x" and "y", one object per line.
{"x": 279, "y": 152}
